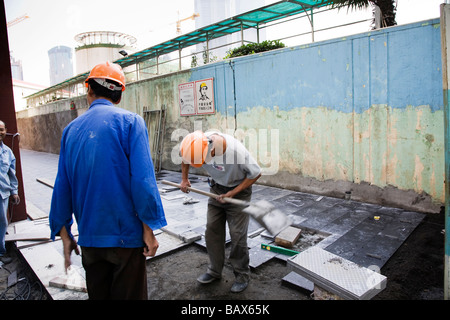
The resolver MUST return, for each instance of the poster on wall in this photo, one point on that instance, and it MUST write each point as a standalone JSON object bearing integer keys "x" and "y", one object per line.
{"x": 205, "y": 96}
{"x": 197, "y": 97}
{"x": 187, "y": 99}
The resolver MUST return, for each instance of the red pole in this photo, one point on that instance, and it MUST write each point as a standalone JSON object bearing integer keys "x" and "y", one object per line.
{"x": 8, "y": 112}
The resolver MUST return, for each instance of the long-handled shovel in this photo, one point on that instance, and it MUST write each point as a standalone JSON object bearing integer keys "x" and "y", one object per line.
{"x": 262, "y": 211}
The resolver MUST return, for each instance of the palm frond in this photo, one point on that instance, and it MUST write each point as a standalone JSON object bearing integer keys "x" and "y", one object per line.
{"x": 351, "y": 4}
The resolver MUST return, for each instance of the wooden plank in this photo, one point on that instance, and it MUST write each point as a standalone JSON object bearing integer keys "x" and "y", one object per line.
{"x": 21, "y": 226}
{"x": 288, "y": 237}
{"x": 28, "y": 236}
{"x": 34, "y": 212}
{"x": 28, "y": 230}
{"x": 47, "y": 262}
{"x": 47, "y": 182}
{"x": 29, "y": 233}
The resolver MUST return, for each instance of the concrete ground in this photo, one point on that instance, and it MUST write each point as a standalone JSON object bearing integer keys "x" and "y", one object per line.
{"x": 369, "y": 235}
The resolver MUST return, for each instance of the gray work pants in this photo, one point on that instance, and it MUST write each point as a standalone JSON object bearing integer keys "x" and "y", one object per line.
{"x": 218, "y": 214}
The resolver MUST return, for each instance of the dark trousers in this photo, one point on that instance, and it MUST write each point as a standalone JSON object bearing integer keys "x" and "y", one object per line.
{"x": 115, "y": 273}
{"x": 217, "y": 216}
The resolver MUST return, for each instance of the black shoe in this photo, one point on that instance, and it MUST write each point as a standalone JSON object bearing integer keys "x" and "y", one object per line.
{"x": 239, "y": 287}
{"x": 206, "y": 278}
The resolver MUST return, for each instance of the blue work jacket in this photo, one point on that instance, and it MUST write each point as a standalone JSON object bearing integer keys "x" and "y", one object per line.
{"x": 106, "y": 179}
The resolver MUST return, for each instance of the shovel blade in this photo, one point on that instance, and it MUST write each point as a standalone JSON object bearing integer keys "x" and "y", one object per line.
{"x": 272, "y": 219}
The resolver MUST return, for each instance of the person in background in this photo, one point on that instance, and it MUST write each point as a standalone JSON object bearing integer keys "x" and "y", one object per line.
{"x": 8, "y": 189}
{"x": 106, "y": 179}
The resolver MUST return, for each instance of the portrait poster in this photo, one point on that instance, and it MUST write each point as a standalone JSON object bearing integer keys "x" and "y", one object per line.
{"x": 204, "y": 91}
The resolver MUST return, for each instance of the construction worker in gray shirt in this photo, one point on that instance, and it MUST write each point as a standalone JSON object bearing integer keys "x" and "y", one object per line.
{"x": 232, "y": 172}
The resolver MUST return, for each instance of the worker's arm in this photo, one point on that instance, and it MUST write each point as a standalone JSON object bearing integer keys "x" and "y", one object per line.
{"x": 185, "y": 183}
{"x": 144, "y": 188}
{"x": 151, "y": 244}
{"x": 13, "y": 181}
{"x": 61, "y": 211}
{"x": 69, "y": 244}
{"x": 240, "y": 187}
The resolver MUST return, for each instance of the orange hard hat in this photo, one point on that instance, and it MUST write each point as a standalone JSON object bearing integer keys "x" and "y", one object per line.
{"x": 110, "y": 71}
{"x": 194, "y": 148}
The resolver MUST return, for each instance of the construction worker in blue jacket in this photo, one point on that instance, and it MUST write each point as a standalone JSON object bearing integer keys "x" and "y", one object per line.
{"x": 106, "y": 180}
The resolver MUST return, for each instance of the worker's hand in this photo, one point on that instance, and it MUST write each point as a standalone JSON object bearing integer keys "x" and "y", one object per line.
{"x": 185, "y": 183}
{"x": 151, "y": 244}
{"x": 229, "y": 194}
{"x": 220, "y": 198}
{"x": 15, "y": 199}
{"x": 69, "y": 245}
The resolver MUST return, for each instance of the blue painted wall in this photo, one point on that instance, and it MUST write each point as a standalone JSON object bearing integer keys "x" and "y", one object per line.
{"x": 398, "y": 66}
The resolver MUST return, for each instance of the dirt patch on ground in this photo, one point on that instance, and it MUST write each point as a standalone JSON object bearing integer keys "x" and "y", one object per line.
{"x": 174, "y": 277}
{"x": 414, "y": 272}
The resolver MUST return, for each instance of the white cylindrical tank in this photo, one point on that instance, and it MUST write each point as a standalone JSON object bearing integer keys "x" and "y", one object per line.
{"x": 99, "y": 46}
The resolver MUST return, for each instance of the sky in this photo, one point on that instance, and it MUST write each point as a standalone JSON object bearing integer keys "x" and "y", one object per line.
{"x": 56, "y": 22}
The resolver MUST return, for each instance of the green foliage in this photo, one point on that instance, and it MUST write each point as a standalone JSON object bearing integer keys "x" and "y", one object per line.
{"x": 387, "y": 8}
{"x": 207, "y": 58}
{"x": 252, "y": 48}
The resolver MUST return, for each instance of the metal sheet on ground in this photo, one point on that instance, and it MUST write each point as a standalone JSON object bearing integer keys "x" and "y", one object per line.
{"x": 337, "y": 275}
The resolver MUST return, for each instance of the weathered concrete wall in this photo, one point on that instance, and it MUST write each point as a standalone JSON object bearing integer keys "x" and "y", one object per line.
{"x": 41, "y": 128}
{"x": 361, "y": 114}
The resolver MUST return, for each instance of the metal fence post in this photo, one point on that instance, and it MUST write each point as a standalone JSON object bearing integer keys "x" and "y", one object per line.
{"x": 445, "y": 41}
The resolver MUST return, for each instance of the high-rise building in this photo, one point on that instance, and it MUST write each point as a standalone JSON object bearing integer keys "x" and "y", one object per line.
{"x": 16, "y": 69}
{"x": 61, "y": 64}
{"x": 213, "y": 11}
